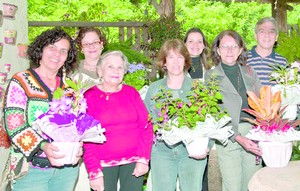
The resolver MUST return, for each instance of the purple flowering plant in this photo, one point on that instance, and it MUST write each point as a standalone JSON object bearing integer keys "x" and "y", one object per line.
{"x": 66, "y": 119}
{"x": 70, "y": 100}
{"x": 202, "y": 100}
{"x": 136, "y": 76}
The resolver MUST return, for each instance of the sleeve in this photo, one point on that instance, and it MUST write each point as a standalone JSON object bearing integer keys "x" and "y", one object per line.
{"x": 149, "y": 103}
{"x": 257, "y": 84}
{"x": 147, "y": 99}
{"x": 146, "y": 129}
{"x": 92, "y": 160}
{"x": 90, "y": 156}
{"x": 24, "y": 139}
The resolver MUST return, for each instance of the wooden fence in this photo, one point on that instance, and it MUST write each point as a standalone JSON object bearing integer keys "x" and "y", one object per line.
{"x": 136, "y": 31}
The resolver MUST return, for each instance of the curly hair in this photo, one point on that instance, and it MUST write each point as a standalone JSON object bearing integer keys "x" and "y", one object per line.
{"x": 173, "y": 45}
{"x": 51, "y": 36}
{"x": 84, "y": 30}
{"x": 238, "y": 39}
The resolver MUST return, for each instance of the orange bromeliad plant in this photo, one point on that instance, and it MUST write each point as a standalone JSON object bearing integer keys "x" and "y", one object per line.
{"x": 267, "y": 112}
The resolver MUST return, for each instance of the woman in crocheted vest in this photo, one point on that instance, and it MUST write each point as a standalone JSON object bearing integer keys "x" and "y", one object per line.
{"x": 31, "y": 165}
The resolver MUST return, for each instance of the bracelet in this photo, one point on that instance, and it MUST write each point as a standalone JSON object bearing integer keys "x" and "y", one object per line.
{"x": 42, "y": 145}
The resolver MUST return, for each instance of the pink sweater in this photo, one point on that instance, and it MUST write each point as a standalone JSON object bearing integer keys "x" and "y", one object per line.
{"x": 128, "y": 133}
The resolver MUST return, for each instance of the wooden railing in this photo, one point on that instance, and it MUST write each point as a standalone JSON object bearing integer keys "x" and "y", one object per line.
{"x": 137, "y": 31}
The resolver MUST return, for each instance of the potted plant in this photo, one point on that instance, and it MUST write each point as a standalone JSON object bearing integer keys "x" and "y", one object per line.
{"x": 193, "y": 121}
{"x": 274, "y": 133}
{"x": 66, "y": 123}
{"x": 288, "y": 82}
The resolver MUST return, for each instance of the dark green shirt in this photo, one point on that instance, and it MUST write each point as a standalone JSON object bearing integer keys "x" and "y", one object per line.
{"x": 196, "y": 70}
{"x": 234, "y": 75}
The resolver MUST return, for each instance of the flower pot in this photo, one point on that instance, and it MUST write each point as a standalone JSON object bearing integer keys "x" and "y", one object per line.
{"x": 276, "y": 154}
{"x": 197, "y": 146}
{"x": 69, "y": 149}
{"x": 10, "y": 36}
{"x": 22, "y": 50}
{"x": 9, "y": 10}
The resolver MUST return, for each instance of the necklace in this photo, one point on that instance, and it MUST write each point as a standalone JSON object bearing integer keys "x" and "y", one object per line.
{"x": 107, "y": 95}
{"x": 108, "y": 92}
{"x": 195, "y": 67}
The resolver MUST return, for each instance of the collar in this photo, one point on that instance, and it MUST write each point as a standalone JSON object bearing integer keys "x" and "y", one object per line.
{"x": 186, "y": 84}
{"x": 255, "y": 54}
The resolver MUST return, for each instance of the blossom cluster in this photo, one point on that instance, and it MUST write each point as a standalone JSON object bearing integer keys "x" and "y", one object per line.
{"x": 135, "y": 67}
{"x": 136, "y": 76}
{"x": 70, "y": 100}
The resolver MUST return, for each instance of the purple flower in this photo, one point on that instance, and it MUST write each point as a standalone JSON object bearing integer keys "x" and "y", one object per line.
{"x": 134, "y": 67}
{"x": 159, "y": 113}
{"x": 179, "y": 104}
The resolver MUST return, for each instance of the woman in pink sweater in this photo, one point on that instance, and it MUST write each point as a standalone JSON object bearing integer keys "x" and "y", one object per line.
{"x": 121, "y": 111}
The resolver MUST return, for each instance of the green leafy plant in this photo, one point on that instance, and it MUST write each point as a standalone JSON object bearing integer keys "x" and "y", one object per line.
{"x": 132, "y": 55}
{"x": 296, "y": 151}
{"x": 201, "y": 101}
{"x": 286, "y": 75}
{"x": 288, "y": 45}
{"x": 137, "y": 76}
{"x": 163, "y": 29}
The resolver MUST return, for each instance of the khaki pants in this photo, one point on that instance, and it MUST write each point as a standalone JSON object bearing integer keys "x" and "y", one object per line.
{"x": 236, "y": 164}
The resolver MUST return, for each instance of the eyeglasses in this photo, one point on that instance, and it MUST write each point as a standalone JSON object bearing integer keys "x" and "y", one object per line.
{"x": 87, "y": 45}
{"x": 227, "y": 47}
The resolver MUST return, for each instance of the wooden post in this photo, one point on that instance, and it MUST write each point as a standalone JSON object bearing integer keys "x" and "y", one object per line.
{"x": 279, "y": 12}
{"x": 137, "y": 42}
{"x": 129, "y": 33}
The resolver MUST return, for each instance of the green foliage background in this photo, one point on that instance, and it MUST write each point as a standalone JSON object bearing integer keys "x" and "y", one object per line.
{"x": 211, "y": 16}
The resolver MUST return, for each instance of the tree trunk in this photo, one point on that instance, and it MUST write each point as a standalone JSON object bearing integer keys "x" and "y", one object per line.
{"x": 279, "y": 12}
{"x": 166, "y": 8}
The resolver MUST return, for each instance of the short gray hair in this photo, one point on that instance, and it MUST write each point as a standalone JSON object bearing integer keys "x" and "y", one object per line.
{"x": 265, "y": 20}
{"x": 117, "y": 53}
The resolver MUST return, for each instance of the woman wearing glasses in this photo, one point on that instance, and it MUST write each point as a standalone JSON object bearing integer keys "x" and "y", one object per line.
{"x": 237, "y": 160}
{"x": 90, "y": 42}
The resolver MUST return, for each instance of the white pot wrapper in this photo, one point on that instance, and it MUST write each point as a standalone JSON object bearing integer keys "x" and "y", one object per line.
{"x": 210, "y": 128}
{"x": 278, "y": 136}
{"x": 69, "y": 149}
{"x": 198, "y": 146}
{"x": 143, "y": 91}
{"x": 69, "y": 131}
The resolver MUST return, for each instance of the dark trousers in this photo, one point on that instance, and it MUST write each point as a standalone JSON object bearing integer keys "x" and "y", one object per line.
{"x": 205, "y": 177}
{"x": 122, "y": 173}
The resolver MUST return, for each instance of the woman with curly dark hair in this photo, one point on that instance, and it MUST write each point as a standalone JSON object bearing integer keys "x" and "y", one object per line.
{"x": 32, "y": 162}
